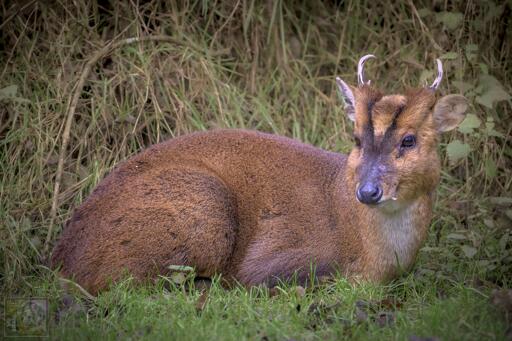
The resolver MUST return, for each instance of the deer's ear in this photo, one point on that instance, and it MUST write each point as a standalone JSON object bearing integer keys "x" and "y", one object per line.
{"x": 449, "y": 111}
{"x": 348, "y": 98}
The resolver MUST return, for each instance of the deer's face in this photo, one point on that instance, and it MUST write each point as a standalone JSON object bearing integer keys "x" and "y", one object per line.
{"x": 395, "y": 159}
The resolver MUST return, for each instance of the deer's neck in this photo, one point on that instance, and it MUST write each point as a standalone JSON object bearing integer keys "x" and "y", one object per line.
{"x": 388, "y": 238}
{"x": 392, "y": 242}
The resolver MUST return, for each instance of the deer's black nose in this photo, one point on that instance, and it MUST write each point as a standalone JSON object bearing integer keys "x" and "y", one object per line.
{"x": 369, "y": 193}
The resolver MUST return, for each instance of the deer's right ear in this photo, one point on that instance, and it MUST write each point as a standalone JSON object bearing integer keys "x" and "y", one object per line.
{"x": 348, "y": 98}
{"x": 449, "y": 111}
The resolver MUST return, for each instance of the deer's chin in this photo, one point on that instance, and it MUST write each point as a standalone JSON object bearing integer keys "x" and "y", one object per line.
{"x": 390, "y": 205}
{"x": 390, "y": 202}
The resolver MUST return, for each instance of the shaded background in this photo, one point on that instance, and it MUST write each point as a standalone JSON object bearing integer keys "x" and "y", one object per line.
{"x": 248, "y": 64}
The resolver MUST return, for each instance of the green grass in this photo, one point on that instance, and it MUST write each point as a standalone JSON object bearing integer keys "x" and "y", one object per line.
{"x": 421, "y": 306}
{"x": 269, "y": 67}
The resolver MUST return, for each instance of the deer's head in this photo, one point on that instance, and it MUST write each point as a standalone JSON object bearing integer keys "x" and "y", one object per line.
{"x": 395, "y": 159}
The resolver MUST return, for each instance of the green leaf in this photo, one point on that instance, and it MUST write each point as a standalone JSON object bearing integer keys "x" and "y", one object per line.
{"x": 471, "y": 52}
{"x": 456, "y": 236}
{"x": 490, "y": 168}
{"x": 489, "y": 128}
{"x": 457, "y": 150}
{"x": 503, "y": 241}
{"x": 492, "y": 91}
{"x": 483, "y": 263}
{"x": 430, "y": 249}
{"x": 178, "y": 277}
{"x": 471, "y": 47}
{"x": 484, "y": 68}
{"x": 492, "y": 96}
{"x": 449, "y": 55}
{"x": 493, "y": 11}
{"x": 450, "y": 20}
{"x": 426, "y": 76}
{"x": 470, "y": 123}
{"x": 469, "y": 251}
{"x": 502, "y": 201}
{"x": 8, "y": 91}
{"x": 489, "y": 223}
{"x": 423, "y": 12}
{"x": 463, "y": 87}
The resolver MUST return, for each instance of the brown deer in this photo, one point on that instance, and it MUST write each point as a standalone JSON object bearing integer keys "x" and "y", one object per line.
{"x": 257, "y": 208}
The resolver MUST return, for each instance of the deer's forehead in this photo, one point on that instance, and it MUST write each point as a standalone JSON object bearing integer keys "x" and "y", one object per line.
{"x": 379, "y": 113}
{"x": 386, "y": 111}
{"x": 383, "y": 115}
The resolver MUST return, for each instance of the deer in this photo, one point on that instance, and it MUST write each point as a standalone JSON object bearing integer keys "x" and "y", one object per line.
{"x": 259, "y": 208}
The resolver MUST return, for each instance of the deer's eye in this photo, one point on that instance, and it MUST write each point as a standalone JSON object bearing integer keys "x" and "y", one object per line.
{"x": 408, "y": 141}
{"x": 357, "y": 141}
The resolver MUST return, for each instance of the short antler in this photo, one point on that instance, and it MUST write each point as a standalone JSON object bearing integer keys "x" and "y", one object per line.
{"x": 360, "y": 70}
{"x": 439, "y": 77}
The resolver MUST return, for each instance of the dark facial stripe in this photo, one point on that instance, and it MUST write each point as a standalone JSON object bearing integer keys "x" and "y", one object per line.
{"x": 370, "y": 154}
{"x": 392, "y": 127}
{"x": 374, "y": 150}
{"x": 369, "y": 129}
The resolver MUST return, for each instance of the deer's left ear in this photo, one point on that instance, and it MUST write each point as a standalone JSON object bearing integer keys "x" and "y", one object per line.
{"x": 449, "y": 111}
{"x": 348, "y": 98}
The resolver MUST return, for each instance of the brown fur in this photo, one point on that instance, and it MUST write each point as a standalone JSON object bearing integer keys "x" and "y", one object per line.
{"x": 255, "y": 207}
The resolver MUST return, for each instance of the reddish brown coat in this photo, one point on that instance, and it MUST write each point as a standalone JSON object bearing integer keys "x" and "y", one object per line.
{"x": 252, "y": 206}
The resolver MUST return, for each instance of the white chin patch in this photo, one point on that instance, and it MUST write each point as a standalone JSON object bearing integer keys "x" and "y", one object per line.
{"x": 391, "y": 205}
